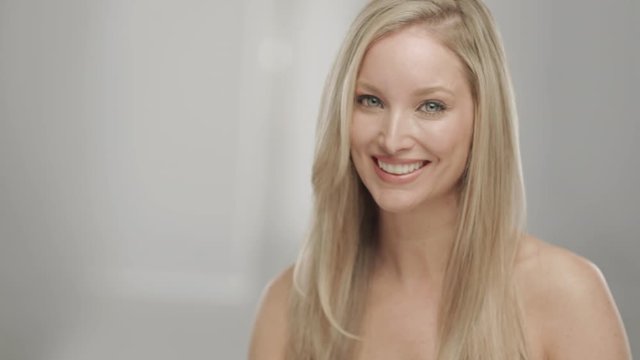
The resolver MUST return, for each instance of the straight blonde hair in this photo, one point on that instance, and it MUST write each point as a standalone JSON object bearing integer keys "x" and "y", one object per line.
{"x": 480, "y": 315}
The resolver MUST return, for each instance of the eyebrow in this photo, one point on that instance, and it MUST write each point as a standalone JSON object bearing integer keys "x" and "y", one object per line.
{"x": 420, "y": 92}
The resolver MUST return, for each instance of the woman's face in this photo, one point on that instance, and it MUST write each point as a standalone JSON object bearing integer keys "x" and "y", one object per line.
{"x": 412, "y": 120}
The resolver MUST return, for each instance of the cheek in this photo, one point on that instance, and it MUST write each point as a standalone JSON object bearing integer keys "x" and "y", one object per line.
{"x": 460, "y": 145}
{"x": 361, "y": 133}
{"x": 446, "y": 139}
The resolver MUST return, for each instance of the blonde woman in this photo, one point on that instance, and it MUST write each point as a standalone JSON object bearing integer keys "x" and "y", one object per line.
{"x": 417, "y": 248}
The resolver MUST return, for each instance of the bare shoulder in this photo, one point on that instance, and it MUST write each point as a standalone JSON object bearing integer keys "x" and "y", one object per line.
{"x": 269, "y": 336}
{"x": 569, "y": 304}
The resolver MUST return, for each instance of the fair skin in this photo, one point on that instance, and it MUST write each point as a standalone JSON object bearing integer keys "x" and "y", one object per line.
{"x": 414, "y": 108}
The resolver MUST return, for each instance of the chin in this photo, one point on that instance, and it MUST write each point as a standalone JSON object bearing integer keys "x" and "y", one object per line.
{"x": 396, "y": 203}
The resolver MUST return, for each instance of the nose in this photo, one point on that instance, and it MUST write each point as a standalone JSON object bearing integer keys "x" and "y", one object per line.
{"x": 395, "y": 133}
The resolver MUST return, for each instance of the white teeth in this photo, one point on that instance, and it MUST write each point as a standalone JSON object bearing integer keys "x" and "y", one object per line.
{"x": 400, "y": 169}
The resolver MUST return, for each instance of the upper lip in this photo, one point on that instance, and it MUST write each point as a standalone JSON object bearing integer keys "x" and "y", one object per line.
{"x": 396, "y": 161}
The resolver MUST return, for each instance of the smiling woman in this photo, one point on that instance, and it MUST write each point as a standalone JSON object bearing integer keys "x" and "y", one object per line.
{"x": 418, "y": 248}
{"x": 416, "y": 131}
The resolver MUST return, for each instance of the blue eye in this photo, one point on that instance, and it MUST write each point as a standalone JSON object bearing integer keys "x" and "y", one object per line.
{"x": 432, "y": 107}
{"x": 369, "y": 101}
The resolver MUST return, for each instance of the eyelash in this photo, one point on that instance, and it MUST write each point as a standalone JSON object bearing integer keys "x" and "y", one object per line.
{"x": 441, "y": 106}
{"x": 362, "y": 99}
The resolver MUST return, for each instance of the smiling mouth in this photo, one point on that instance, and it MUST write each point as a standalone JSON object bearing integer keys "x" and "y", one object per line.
{"x": 401, "y": 169}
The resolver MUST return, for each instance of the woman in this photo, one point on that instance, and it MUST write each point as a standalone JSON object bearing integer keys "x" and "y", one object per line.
{"x": 417, "y": 249}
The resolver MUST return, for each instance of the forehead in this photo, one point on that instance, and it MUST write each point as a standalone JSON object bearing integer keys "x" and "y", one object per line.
{"x": 409, "y": 58}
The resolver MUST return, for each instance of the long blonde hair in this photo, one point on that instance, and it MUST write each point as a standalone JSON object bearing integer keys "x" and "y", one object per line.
{"x": 480, "y": 315}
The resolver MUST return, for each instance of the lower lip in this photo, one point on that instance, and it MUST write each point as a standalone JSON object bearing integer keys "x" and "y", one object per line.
{"x": 397, "y": 179}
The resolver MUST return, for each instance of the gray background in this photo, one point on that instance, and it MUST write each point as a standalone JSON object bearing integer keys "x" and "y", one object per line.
{"x": 155, "y": 160}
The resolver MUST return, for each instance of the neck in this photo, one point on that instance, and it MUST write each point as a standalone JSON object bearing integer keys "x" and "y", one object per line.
{"x": 415, "y": 245}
